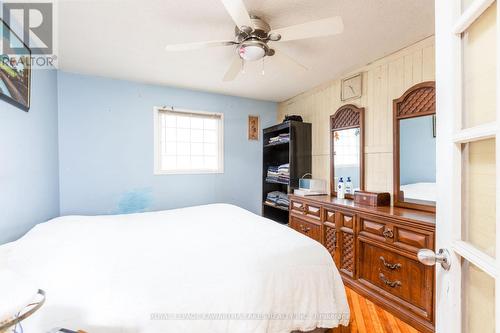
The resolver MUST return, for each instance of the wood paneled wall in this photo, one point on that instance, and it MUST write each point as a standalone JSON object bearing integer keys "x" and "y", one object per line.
{"x": 383, "y": 80}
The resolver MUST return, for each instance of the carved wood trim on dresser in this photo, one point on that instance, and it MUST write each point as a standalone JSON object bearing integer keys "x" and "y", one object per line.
{"x": 375, "y": 250}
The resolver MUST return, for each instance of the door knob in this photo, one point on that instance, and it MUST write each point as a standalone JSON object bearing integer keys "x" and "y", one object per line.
{"x": 429, "y": 258}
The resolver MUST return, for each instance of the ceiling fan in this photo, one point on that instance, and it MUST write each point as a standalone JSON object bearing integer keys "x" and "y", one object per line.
{"x": 252, "y": 37}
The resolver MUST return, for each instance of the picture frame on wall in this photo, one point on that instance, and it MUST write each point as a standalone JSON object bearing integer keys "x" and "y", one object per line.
{"x": 15, "y": 70}
{"x": 433, "y": 125}
{"x": 253, "y": 127}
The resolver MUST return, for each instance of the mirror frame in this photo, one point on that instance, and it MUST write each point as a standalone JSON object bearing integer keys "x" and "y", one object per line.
{"x": 346, "y": 117}
{"x": 418, "y": 101}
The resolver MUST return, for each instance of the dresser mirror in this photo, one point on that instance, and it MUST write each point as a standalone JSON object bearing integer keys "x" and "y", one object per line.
{"x": 347, "y": 149}
{"x": 415, "y": 148}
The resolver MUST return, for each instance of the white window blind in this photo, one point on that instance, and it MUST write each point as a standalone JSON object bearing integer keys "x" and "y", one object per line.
{"x": 188, "y": 141}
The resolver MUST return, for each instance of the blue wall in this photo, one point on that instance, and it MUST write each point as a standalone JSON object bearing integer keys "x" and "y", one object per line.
{"x": 29, "y": 178}
{"x": 417, "y": 151}
{"x": 106, "y": 148}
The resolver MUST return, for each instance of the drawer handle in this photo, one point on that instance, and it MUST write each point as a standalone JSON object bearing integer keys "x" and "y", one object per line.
{"x": 388, "y": 233}
{"x": 389, "y": 283}
{"x": 305, "y": 229}
{"x": 388, "y": 265}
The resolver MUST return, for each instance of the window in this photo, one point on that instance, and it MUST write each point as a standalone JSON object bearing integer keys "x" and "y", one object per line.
{"x": 188, "y": 141}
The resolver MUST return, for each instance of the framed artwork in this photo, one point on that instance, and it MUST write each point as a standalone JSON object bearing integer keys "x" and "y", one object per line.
{"x": 351, "y": 87}
{"x": 15, "y": 70}
{"x": 253, "y": 127}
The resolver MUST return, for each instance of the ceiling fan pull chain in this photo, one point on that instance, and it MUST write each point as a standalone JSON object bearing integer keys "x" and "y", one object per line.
{"x": 242, "y": 66}
{"x": 263, "y": 67}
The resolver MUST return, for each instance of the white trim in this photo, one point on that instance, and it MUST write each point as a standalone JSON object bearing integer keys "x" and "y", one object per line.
{"x": 450, "y": 24}
{"x": 156, "y": 151}
{"x": 497, "y": 189}
{"x": 188, "y": 172}
{"x": 194, "y": 112}
{"x": 156, "y": 167}
{"x": 476, "y": 257}
{"x": 481, "y": 132}
{"x": 448, "y": 283}
{"x": 475, "y": 10}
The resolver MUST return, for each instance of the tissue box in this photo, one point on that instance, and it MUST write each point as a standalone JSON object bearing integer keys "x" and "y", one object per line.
{"x": 313, "y": 185}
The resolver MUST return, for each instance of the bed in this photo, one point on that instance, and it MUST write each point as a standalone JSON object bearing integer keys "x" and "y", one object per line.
{"x": 212, "y": 268}
{"x": 419, "y": 191}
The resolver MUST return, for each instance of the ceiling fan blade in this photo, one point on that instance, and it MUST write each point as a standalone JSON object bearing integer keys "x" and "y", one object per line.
{"x": 320, "y": 28}
{"x": 233, "y": 70}
{"x": 285, "y": 59}
{"x": 198, "y": 45}
{"x": 238, "y": 12}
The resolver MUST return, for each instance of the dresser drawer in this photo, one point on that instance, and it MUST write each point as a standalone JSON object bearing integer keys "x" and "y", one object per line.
{"x": 346, "y": 221}
{"x": 313, "y": 211}
{"x": 329, "y": 215}
{"x": 297, "y": 206}
{"x": 305, "y": 227}
{"x": 413, "y": 239}
{"x": 407, "y": 238}
{"x": 410, "y": 282}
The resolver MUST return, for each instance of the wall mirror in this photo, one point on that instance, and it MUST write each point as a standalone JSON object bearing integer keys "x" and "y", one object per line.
{"x": 415, "y": 148}
{"x": 347, "y": 148}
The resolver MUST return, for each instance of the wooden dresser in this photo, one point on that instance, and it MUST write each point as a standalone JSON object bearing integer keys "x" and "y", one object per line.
{"x": 375, "y": 250}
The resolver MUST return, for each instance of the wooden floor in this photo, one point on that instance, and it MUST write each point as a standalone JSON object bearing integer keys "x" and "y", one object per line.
{"x": 367, "y": 317}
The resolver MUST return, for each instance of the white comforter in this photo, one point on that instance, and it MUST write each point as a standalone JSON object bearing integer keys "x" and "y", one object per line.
{"x": 214, "y": 268}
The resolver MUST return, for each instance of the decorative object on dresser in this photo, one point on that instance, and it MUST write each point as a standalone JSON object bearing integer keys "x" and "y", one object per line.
{"x": 375, "y": 250}
{"x": 347, "y": 148}
{"x": 372, "y": 198}
{"x": 415, "y": 148}
{"x": 351, "y": 87}
{"x": 286, "y": 158}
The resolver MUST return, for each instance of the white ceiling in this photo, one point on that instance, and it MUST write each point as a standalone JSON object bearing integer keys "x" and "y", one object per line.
{"x": 125, "y": 39}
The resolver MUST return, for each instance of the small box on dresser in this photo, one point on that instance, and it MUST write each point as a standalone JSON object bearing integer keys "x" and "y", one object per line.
{"x": 374, "y": 199}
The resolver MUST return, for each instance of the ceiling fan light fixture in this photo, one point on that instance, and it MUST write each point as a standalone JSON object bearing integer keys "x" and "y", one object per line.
{"x": 251, "y": 52}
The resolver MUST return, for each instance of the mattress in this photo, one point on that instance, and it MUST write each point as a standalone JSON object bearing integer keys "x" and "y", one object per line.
{"x": 213, "y": 268}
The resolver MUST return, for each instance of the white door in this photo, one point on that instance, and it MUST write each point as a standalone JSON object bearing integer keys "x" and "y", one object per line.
{"x": 467, "y": 93}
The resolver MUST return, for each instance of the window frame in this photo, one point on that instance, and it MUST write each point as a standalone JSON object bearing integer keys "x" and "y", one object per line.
{"x": 157, "y": 143}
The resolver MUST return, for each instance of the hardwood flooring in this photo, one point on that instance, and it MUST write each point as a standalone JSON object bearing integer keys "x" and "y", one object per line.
{"x": 367, "y": 317}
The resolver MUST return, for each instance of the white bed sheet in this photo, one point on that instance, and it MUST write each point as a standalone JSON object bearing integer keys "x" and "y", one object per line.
{"x": 218, "y": 264}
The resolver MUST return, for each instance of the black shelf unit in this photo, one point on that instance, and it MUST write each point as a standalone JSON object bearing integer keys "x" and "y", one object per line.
{"x": 296, "y": 152}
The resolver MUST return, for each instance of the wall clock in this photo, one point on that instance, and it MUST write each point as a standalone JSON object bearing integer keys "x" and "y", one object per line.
{"x": 351, "y": 87}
